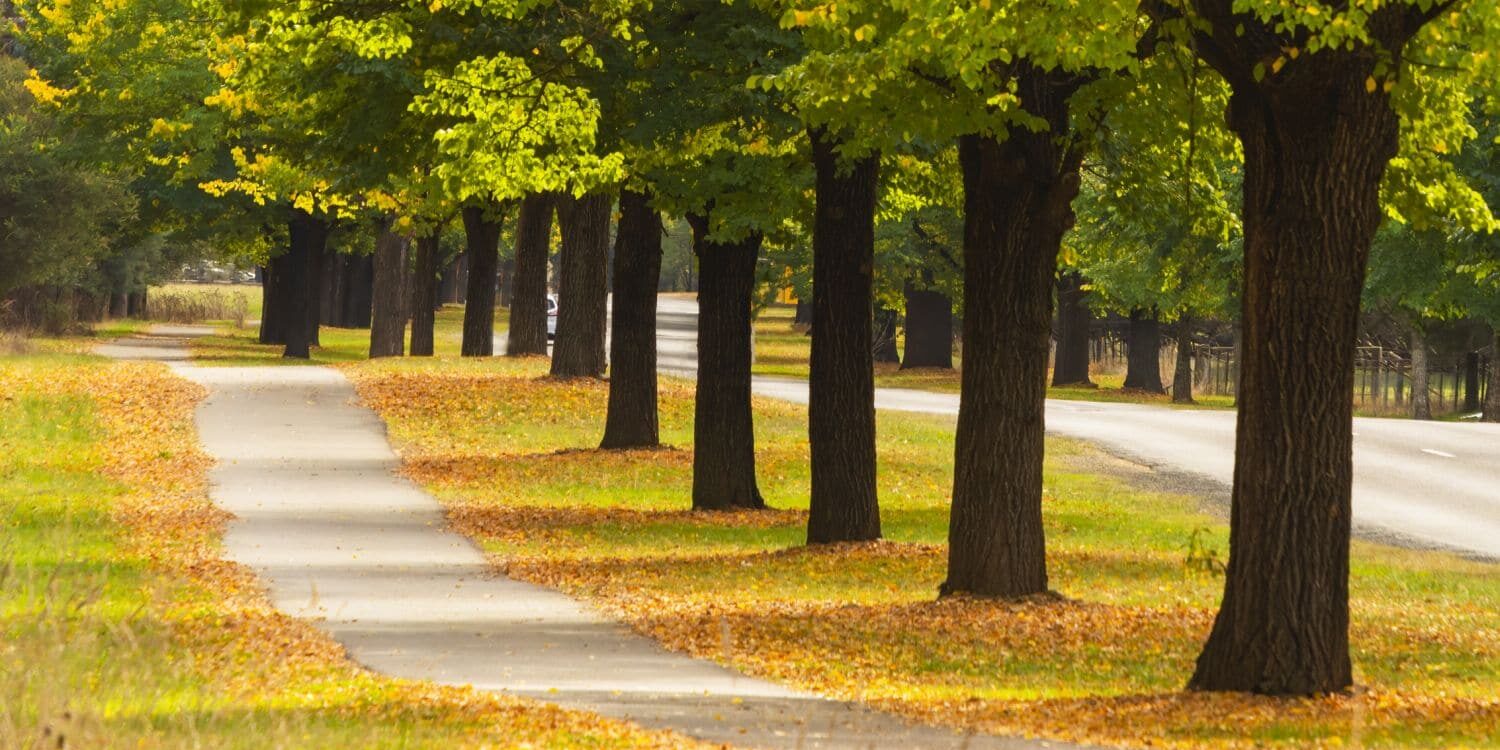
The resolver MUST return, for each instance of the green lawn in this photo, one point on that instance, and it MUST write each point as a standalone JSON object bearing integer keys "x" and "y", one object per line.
{"x": 510, "y": 452}
{"x": 121, "y": 627}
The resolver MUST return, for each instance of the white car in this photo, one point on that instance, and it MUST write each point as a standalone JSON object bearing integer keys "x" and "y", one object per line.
{"x": 551, "y": 317}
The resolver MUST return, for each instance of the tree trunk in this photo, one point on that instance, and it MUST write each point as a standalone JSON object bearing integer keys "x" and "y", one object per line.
{"x": 723, "y": 428}
{"x": 583, "y": 291}
{"x": 841, "y": 380}
{"x": 1182, "y": 375}
{"x": 298, "y": 282}
{"x": 138, "y": 305}
{"x": 884, "y": 346}
{"x": 1017, "y": 197}
{"x": 482, "y": 226}
{"x": 119, "y": 304}
{"x": 631, "y": 421}
{"x": 929, "y": 329}
{"x": 803, "y": 313}
{"x": 1492, "y": 388}
{"x": 1074, "y": 324}
{"x": 505, "y": 295}
{"x": 387, "y": 319}
{"x": 528, "y": 309}
{"x": 273, "y": 302}
{"x": 359, "y": 291}
{"x": 1316, "y": 144}
{"x": 424, "y": 293}
{"x": 1471, "y": 382}
{"x": 317, "y": 255}
{"x": 455, "y": 277}
{"x": 1143, "y": 353}
{"x": 1421, "y": 402}
{"x": 331, "y": 289}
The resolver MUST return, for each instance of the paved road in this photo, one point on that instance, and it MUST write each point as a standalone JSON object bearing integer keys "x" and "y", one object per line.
{"x": 325, "y": 522}
{"x": 1423, "y": 483}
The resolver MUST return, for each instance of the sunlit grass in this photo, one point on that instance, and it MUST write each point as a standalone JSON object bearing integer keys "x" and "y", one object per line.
{"x": 509, "y": 451}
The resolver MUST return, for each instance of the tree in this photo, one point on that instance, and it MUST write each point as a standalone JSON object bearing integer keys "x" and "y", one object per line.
{"x": 482, "y": 225}
{"x": 131, "y": 83}
{"x": 528, "y": 310}
{"x": 1074, "y": 323}
{"x": 1408, "y": 272}
{"x": 1318, "y": 125}
{"x": 723, "y": 425}
{"x": 1157, "y": 234}
{"x": 387, "y": 322}
{"x": 56, "y": 213}
{"x": 730, "y": 162}
{"x": 583, "y": 289}
{"x": 841, "y": 405}
{"x": 631, "y": 421}
{"x": 424, "y": 271}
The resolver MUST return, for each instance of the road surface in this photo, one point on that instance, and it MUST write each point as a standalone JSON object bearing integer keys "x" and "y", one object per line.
{"x": 1431, "y": 484}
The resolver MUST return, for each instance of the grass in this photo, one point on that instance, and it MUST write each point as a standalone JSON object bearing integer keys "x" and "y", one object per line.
{"x": 246, "y": 296}
{"x": 509, "y": 452}
{"x": 120, "y": 626}
{"x": 232, "y": 346}
{"x": 782, "y": 350}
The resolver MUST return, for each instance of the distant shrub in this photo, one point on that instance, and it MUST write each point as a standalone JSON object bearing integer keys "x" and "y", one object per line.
{"x": 12, "y": 342}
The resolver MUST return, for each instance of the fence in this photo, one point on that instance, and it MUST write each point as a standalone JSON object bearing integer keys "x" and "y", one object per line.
{"x": 1382, "y": 376}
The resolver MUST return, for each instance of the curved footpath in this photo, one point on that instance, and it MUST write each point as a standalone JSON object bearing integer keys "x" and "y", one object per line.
{"x": 322, "y": 517}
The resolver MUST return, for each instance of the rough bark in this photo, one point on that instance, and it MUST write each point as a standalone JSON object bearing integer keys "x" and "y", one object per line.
{"x": 1316, "y": 143}
{"x": 482, "y": 246}
{"x": 332, "y": 288}
{"x": 929, "y": 328}
{"x": 583, "y": 291}
{"x": 359, "y": 291}
{"x": 387, "y": 319}
{"x": 631, "y": 420}
{"x": 1143, "y": 353}
{"x": 1074, "y": 324}
{"x": 1421, "y": 400}
{"x": 1182, "y": 374}
{"x": 803, "y": 314}
{"x": 138, "y": 304}
{"x": 1017, "y": 197}
{"x": 723, "y": 428}
{"x": 271, "y": 304}
{"x": 317, "y": 258}
{"x": 1492, "y": 388}
{"x": 528, "y": 309}
{"x": 290, "y": 301}
{"x": 883, "y": 348}
{"x": 505, "y": 294}
{"x": 841, "y": 379}
{"x": 453, "y": 281}
{"x": 424, "y": 294}
{"x": 1471, "y": 382}
{"x": 298, "y": 283}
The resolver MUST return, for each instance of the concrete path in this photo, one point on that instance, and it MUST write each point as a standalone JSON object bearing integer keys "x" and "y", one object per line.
{"x": 337, "y": 536}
